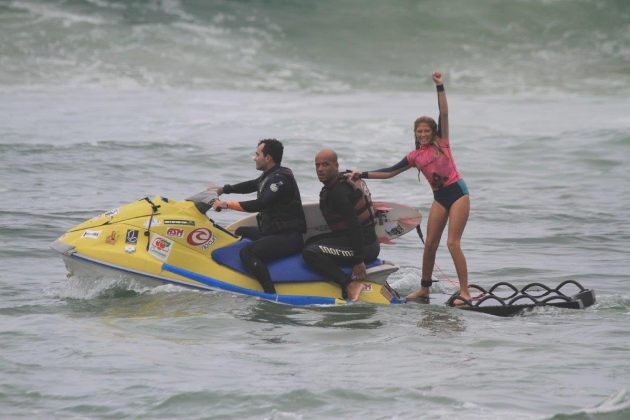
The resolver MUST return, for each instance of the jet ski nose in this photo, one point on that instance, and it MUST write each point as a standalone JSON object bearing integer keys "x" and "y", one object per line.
{"x": 62, "y": 247}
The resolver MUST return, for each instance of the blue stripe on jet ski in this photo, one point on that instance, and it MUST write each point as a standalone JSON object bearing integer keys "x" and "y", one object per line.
{"x": 288, "y": 299}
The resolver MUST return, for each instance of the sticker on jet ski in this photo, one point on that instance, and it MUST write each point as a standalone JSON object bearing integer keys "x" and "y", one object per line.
{"x": 110, "y": 213}
{"x": 92, "y": 234}
{"x": 152, "y": 222}
{"x": 160, "y": 247}
{"x": 179, "y": 222}
{"x": 111, "y": 238}
{"x": 201, "y": 237}
{"x": 175, "y": 232}
{"x": 132, "y": 236}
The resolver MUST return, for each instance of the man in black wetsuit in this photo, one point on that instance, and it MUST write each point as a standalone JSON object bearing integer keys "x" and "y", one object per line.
{"x": 347, "y": 207}
{"x": 281, "y": 221}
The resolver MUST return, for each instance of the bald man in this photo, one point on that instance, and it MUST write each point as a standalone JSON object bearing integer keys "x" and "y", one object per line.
{"x": 347, "y": 207}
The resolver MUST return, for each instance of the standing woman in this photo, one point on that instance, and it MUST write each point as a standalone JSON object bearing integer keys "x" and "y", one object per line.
{"x": 432, "y": 156}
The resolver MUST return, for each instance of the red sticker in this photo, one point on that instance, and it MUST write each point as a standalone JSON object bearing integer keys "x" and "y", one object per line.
{"x": 175, "y": 232}
{"x": 200, "y": 236}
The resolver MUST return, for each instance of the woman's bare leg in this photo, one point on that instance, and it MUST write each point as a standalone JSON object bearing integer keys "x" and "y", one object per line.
{"x": 438, "y": 216}
{"x": 458, "y": 216}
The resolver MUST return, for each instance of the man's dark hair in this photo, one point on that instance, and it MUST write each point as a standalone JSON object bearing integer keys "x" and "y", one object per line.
{"x": 273, "y": 148}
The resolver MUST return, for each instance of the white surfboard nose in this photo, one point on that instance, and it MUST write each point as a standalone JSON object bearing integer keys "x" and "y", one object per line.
{"x": 380, "y": 273}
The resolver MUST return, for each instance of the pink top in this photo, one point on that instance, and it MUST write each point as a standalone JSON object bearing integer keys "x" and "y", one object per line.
{"x": 438, "y": 168}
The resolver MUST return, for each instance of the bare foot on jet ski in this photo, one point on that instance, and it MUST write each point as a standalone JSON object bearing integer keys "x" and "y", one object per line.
{"x": 359, "y": 273}
{"x": 354, "y": 290}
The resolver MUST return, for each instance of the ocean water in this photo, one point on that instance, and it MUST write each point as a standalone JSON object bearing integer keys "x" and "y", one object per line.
{"x": 104, "y": 102}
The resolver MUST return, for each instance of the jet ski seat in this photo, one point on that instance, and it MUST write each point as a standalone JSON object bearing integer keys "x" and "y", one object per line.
{"x": 285, "y": 270}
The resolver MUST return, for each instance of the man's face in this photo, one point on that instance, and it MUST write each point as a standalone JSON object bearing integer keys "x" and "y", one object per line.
{"x": 326, "y": 167}
{"x": 262, "y": 161}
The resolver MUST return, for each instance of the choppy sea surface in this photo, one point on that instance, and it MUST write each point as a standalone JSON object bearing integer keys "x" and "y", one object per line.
{"x": 104, "y": 102}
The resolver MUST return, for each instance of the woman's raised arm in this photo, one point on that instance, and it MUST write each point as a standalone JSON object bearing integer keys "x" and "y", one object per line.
{"x": 442, "y": 104}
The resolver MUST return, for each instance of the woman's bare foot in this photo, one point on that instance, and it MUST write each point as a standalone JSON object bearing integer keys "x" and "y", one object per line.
{"x": 354, "y": 290}
{"x": 420, "y": 293}
{"x": 462, "y": 302}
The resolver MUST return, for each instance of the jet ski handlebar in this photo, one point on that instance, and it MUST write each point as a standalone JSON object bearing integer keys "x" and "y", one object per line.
{"x": 203, "y": 200}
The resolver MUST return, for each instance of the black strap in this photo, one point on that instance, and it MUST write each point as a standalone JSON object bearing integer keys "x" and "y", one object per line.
{"x": 155, "y": 208}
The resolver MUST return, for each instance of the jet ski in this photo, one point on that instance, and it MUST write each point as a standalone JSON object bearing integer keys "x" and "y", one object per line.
{"x": 159, "y": 241}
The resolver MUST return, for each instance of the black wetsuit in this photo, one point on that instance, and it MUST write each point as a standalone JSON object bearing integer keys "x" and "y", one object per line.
{"x": 353, "y": 245}
{"x": 281, "y": 221}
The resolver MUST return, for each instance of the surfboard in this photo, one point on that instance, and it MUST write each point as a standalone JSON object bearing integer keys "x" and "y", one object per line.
{"x": 392, "y": 220}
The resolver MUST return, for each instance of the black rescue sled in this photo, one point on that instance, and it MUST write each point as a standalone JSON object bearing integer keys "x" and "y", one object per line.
{"x": 505, "y": 299}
